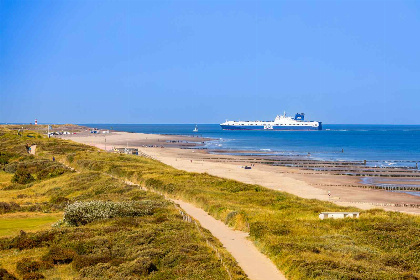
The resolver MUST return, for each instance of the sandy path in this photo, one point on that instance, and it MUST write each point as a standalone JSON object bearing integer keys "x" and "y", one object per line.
{"x": 256, "y": 265}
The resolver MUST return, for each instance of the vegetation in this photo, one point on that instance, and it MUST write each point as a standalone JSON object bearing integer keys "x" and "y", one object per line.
{"x": 11, "y": 224}
{"x": 101, "y": 227}
{"x": 82, "y": 213}
{"x": 378, "y": 245}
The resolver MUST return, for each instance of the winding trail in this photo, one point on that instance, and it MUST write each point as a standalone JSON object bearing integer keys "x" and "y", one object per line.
{"x": 256, "y": 265}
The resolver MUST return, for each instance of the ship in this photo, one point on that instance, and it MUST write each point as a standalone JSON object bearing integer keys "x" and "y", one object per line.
{"x": 281, "y": 122}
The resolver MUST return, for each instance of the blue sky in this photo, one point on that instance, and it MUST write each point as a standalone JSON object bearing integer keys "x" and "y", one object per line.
{"x": 207, "y": 61}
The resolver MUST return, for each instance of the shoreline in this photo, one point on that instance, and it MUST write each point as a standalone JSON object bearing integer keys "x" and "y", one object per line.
{"x": 343, "y": 190}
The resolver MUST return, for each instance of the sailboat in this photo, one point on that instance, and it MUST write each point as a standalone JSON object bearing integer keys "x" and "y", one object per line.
{"x": 195, "y": 129}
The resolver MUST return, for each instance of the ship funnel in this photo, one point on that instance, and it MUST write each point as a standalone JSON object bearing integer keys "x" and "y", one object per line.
{"x": 300, "y": 116}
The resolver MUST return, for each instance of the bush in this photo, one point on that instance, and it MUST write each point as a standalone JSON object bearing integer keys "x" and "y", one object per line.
{"x": 26, "y": 265}
{"x": 82, "y": 213}
{"x": 5, "y": 157}
{"x": 143, "y": 266}
{"x": 59, "y": 201}
{"x": 27, "y": 241}
{"x": 5, "y": 275}
{"x": 89, "y": 260}
{"x": 8, "y": 207}
{"x": 22, "y": 177}
{"x": 50, "y": 170}
{"x": 11, "y": 167}
{"x": 58, "y": 255}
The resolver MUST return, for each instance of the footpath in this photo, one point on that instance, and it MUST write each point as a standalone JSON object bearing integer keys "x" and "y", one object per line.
{"x": 255, "y": 264}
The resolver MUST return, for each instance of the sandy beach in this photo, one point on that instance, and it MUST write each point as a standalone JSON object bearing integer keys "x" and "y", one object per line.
{"x": 176, "y": 151}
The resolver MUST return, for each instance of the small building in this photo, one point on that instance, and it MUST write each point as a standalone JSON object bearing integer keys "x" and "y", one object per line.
{"x": 128, "y": 151}
{"x": 338, "y": 215}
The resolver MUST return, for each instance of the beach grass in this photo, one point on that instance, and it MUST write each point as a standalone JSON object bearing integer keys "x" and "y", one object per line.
{"x": 378, "y": 245}
{"x": 35, "y": 241}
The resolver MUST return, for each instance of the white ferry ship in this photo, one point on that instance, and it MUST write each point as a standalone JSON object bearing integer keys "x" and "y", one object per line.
{"x": 281, "y": 122}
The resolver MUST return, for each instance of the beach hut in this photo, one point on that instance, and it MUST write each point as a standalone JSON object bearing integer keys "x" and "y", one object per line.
{"x": 338, "y": 215}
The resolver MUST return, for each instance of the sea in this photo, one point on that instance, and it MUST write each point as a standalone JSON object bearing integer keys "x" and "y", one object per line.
{"x": 379, "y": 145}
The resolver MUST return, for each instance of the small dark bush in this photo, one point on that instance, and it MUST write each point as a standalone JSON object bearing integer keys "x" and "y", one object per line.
{"x": 59, "y": 201}
{"x": 4, "y": 158}
{"x": 5, "y": 275}
{"x": 89, "y": 260}
{"x": 143, "y": 266}
{"x": 51, "y": 170}
{"x": 28, "y": 241}
{"x": 8, "y": 207}
{"x": 27, "y": 265}
{"x": 154, "y": 183}
{"x": 33, "y": 276}
{"x": 70, "y": 158}
{"x": 11, "y": 167}
{"x": 22, "y": 176}
{"x": 58, "y": 255}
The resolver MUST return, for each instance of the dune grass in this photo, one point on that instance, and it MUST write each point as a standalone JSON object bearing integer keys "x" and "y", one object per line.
{"x": 378, "y": 245}
{"x": 125, "y": 245}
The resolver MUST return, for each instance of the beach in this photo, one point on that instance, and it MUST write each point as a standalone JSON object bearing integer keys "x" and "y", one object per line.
{"x": 184, "y": 153}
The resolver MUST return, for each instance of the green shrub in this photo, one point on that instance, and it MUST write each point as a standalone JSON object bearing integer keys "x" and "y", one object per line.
{"x": 82, "y": 213}
{"x": 22, "y": 177}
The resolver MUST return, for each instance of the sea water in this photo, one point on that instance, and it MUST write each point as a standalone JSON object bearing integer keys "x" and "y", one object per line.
{"x": 381, "y": 145}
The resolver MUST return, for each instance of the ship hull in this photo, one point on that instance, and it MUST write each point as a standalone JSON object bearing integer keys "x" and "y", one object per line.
{"x": 275, "y": 127}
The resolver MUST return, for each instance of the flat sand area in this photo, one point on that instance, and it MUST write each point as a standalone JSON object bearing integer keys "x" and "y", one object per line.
{"x": 306, "y": 184}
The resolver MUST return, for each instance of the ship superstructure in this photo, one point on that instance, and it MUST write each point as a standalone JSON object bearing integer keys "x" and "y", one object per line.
{"x": 281, "y": 122}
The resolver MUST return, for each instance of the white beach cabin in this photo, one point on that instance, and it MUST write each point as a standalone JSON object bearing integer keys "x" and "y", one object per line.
{"x": 338, "y": 215}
